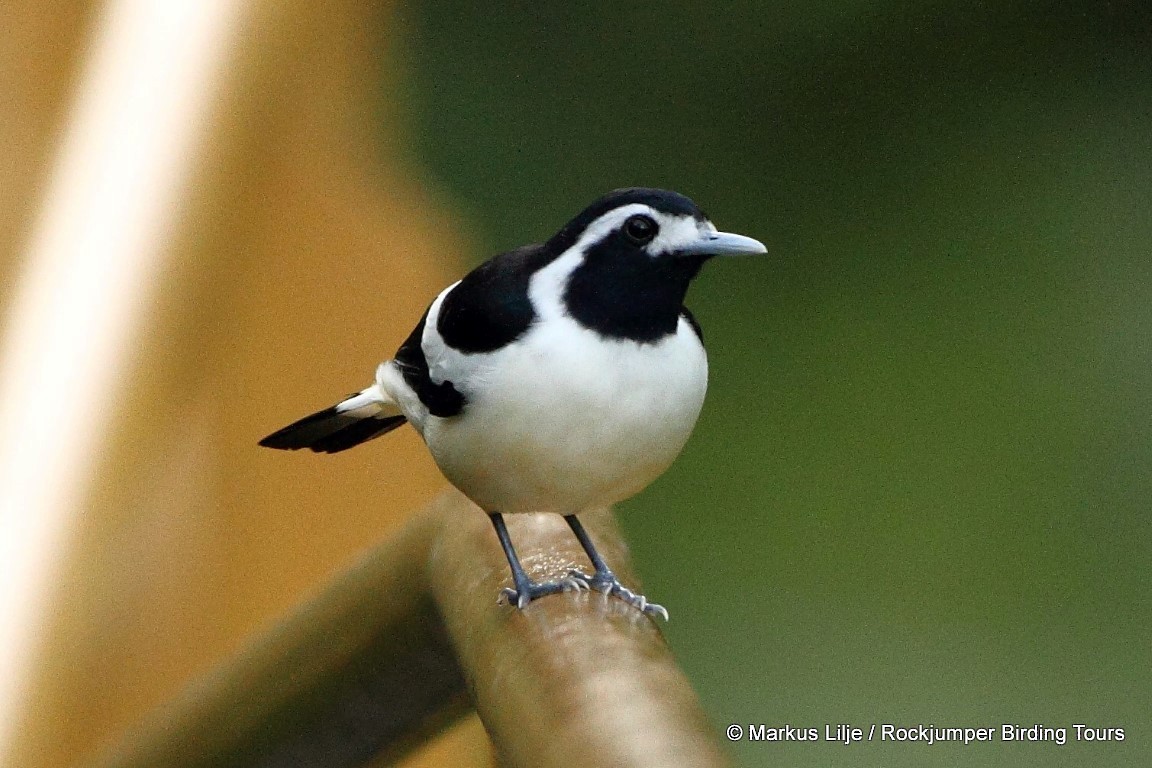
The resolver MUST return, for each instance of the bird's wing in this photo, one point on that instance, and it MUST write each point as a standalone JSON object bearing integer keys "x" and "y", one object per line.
{"x": 438, "y": 398}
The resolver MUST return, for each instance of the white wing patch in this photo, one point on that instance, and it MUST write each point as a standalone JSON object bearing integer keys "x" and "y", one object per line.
{"x": 440, "y": 356}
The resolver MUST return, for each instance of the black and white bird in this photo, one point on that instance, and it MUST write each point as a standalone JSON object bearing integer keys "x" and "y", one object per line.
{"x": 555, "y": 377}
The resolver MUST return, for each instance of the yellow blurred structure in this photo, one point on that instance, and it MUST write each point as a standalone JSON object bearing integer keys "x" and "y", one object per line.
{"x": 273, "y": 248}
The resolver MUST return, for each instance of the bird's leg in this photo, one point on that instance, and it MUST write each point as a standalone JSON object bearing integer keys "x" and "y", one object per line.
{"x": 603, "y": 579}
{"x": 526, "y": 589}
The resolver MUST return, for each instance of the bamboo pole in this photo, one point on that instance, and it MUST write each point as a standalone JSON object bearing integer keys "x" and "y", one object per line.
{"x": 378, "y": 661}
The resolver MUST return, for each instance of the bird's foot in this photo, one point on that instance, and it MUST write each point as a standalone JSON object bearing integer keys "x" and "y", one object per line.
{"x": 528, "y": 590}
{"x": 606, "y": 582}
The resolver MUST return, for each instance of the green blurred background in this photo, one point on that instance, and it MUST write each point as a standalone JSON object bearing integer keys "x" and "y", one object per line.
{"x": 918, "y": 491}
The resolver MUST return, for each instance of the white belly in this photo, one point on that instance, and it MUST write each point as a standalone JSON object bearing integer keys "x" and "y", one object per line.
{"x": 569, "y": 421}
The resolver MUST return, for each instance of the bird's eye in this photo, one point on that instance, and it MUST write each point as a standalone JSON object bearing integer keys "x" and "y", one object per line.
{"x": 640, "y": 229}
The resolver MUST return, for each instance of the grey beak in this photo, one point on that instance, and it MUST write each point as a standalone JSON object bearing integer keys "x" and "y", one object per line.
{"x": 723, "y": 244}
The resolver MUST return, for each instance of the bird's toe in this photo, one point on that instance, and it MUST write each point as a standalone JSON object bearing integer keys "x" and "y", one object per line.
{"x": 575, "y": 581}
{"x": 608, "y": 584}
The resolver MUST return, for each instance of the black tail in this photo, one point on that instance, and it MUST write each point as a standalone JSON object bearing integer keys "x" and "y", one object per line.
{"x": 332, "y": 430}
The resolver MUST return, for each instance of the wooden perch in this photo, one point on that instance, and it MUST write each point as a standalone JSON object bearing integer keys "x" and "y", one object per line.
{"x": 402, "y": 643}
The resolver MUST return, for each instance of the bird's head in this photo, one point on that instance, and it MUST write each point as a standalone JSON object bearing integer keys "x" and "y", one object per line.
{"x": 624, "y": 264}
{"x": 657, "y": 223}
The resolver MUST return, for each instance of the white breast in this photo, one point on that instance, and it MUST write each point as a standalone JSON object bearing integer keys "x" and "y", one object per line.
{"x": 565, "y": 419}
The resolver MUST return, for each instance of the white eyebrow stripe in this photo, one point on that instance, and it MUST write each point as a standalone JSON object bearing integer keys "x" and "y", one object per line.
{"x": 608, "y": 222}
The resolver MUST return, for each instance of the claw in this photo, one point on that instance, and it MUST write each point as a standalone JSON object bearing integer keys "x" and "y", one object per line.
{"x": 652, "y": 609}
{"x": 610, "y": 585}
{"x": 512, "y": 597}
{"x": 574, "y": 581}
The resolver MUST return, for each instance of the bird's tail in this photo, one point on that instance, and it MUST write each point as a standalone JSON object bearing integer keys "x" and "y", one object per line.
{"x": 354, "y": 420}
